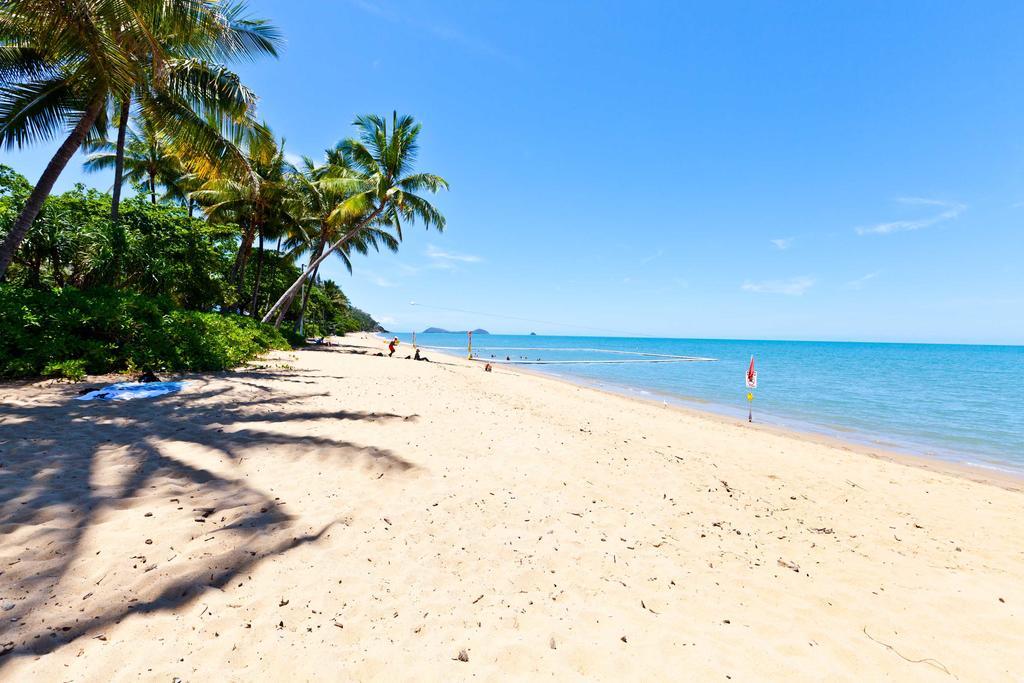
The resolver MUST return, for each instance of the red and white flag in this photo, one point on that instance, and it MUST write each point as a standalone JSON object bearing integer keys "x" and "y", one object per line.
{"x": 751, "y": 375}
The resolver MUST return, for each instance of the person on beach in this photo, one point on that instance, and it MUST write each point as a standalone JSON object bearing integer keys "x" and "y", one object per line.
{"x": 392, "y": 346}
{"x": 419, "y": 357}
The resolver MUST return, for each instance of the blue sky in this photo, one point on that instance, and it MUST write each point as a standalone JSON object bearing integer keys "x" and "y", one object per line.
{"x": 749, "y": 170}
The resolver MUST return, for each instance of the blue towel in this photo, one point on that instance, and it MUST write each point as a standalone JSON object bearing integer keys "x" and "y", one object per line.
{"x": 126, "y": 391}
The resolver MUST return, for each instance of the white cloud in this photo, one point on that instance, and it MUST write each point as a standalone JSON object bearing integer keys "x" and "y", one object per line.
{"x": 861, "y": 281}
{"x": 794, "y": 286}
{"x": 446, "y": 258}
{"x": 783, "y": 243}
{"x": 377, "y": 279}
{"x": 293, "y": 159}
{"x": 949, "y": 211}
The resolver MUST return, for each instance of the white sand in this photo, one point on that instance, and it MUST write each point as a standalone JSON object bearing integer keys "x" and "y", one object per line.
{"x": 341, "y": 516}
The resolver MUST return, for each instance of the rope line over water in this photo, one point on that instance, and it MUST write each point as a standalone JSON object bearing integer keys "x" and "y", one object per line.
{"x": 590, "y": 362}
{"x": 647, "y": 356}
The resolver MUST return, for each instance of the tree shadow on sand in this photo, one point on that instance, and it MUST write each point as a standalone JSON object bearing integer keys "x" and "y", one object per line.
{"x": 68, "y": 469}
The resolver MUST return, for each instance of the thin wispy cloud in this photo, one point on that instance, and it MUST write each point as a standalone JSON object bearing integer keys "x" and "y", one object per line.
{"x": 657, "y": 255}
{"x": 861, "y": 281}
{"x": 947, "y": 211}
{"x": 376, "y": 279}
{"x": 782, "y": 243}
{"x": 794, "y": 286}
{"x": 443, "y": 32}
{"x": 447, "y": 259}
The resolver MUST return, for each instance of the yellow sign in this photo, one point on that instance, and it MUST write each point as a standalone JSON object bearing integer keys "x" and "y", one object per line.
{"x": 750, "y": 396}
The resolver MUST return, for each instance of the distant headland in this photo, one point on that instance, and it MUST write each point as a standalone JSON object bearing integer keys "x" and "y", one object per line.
{"x": 438, "y": 330}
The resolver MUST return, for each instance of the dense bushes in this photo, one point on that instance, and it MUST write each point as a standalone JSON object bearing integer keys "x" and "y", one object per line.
{"x": 64, "y": 331}
{"x": 154, "y": 249}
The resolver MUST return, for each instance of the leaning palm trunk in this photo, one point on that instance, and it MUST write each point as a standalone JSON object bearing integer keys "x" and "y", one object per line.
{"x": 287, "y": 304}
{"x": 122, "y": 131}
{"x": 305, "y": 298}
{"x": 289, "y": 293}
{"x": 42, "y": 189}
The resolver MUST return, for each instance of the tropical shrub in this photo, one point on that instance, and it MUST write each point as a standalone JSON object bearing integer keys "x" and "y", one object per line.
{"x": 71, "y": 370}
{"x": 64, "y": 331}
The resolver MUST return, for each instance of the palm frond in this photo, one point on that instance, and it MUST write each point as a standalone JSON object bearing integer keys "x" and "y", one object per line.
{"x": 36, "y": 110}
{"x": 244, "y": 37}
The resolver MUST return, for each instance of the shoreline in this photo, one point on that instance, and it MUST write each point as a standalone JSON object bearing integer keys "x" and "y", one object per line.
{"x": 1012, "y": 480}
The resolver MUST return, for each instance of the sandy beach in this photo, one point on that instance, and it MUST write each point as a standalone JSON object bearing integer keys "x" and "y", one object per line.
{"x": 328, "y": 514}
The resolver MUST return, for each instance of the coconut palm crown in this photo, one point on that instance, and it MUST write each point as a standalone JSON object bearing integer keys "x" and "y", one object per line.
{"x": 385, "y": 189}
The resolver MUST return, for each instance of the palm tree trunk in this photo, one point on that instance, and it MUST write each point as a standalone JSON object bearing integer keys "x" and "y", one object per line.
{"x": 152, "y": 186}
{"x": 259, "y": 277}
{"x": 316, "y": 254}
{"x": 191, "y": 207}
{"x": 42, "y": 189}
{"x": 122, "y": 130}
{"x": 312, "y": 279}
{"x": 305, "y": 297}
{"x": 275, "y": 264}
{"x": 238, "y": 267}
{"x": 289, "y": 293}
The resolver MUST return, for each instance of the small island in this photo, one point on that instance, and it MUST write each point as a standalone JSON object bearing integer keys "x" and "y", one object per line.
{"x": 439, "y": 330}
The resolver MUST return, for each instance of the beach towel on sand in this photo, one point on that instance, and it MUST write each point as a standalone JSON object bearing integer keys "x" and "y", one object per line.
{"x": 126, "y": 391}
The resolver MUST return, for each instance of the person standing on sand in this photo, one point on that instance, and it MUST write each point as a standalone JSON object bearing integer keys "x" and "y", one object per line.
{"x": 391, "y": 347}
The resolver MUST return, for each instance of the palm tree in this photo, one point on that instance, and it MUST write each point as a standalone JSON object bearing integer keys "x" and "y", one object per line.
{"x": 58, "y": 65}
{"x": 179, "y": 189}
{"x": 61, "y": 62}
{"x": 259, "y": 200}
{"x": 384, "y": 191}
{"x": 188, "y": 95}
{"x": 322, "y": 189}
{"x": 147, "y": 159}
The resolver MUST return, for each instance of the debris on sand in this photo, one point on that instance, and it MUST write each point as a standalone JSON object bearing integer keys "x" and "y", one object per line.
{"x": 789, "y": 565}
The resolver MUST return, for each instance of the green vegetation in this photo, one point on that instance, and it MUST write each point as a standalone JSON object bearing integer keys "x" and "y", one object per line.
{"x": 66, "y": 331}
{"x": 86, "y": 294}
{"x": 179, "y": 276}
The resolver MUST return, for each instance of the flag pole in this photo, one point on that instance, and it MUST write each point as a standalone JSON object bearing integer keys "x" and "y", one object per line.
{"x": 751, "y": 384}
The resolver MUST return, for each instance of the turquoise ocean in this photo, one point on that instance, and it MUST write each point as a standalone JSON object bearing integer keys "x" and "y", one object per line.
{"x": 962, "y": 403}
